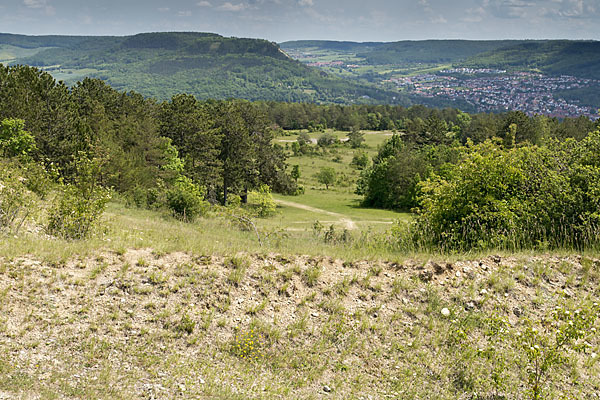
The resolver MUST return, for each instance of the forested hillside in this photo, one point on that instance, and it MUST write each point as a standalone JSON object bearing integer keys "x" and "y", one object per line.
{"x": 553, "y": 57}
{"x": 406, "y": 51}
{"x": 431, "y": 51}
{"x": 206, "y": 65}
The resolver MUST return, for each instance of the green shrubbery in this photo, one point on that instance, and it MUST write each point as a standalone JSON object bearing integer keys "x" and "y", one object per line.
{"x": 522, "y": 197}
{"x": 77, "y": 209}
{"x": 16, "y": 200}
{"x": 15, "y": 141}
{"x": 186, "y": 199}
{"x": 265, "y": 205}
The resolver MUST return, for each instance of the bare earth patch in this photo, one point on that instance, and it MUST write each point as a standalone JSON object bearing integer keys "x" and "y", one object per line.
{"x": 140, "y": 324}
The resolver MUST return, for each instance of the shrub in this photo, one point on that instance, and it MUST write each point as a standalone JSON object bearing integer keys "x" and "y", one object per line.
{"x": 356, "y": 138}
{"x": 38, "y": 179}
{"x": 16, "y": 200}
{"x": 327, "y": 139}
{"x": 15, "y": 141}
{"x": 76, "y": 211}
{"x": 360, "y": 160}
{"x": 521, "y": 197}
{"x": 546, "y": 345}
{"x": 265, "y": 205}
{"x": 186, "y": 199}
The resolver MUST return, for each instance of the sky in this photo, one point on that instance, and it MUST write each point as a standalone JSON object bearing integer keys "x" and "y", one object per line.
{"x": 283, "y": 20}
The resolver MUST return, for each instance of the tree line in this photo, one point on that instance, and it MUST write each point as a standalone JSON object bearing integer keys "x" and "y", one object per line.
{"x": 223, "y": 146}
{"x": 422, "y": 121}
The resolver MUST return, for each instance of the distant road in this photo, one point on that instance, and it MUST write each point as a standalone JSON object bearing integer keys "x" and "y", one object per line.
{"x": 343, "y": 219}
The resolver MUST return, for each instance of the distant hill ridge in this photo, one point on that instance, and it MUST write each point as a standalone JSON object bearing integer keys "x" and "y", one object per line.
{"x": 553, "y": 57}
{"x": 579, "y": 58}
{"x": 207, "y": 65}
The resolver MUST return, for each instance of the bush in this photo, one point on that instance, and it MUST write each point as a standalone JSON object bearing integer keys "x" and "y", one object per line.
{"x": 515, "y": 198}
{"x": 186, "y": 199}
{"x": 326, "y": 176}
{"x": 327, "y": 139}
{"x": 15, "y": 141}
{"x": 265, "y": 205}
{"x": 38, "y": 179}
{"x": 360, "y": 160}
{"x": 76, "y": 211}
{"x": 16, "y": 200}
{"x": 356, "y": 138}
{"x": 74, "y": 215}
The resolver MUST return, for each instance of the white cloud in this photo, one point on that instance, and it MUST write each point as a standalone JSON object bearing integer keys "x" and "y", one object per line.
{"x": 509, "y": 8}
{"x": 164, "y": 9}
{"x": 204, "y": 3}
{"x": 184, "y": 14}
{"x": 320, "y": 17}
{"x": 474, "y": 15}
{"x": 306, "y": 3}
{"x": 571, "y": 9}
{"x": 233, "y": 7}
{"x": 34, "y": 3}
{"x": 439, "y": 20}
{"x": 40, "y": 4}
{"x": 426, "y": 6}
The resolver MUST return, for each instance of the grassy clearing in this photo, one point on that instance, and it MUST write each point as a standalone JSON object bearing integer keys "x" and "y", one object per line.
{"x": 124, "y": 228}
{"x": 340, "y": 198}
{"x": 71, "y": 75}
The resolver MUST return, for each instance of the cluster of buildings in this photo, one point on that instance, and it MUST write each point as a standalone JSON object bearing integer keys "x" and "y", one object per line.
{"x": 531, "y": 93}
{"x": 326, "y": 64}
{"x": 473, "y": 71}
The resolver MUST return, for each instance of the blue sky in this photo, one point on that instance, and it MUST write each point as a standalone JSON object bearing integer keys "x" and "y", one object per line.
{"x": 281, "y": 20}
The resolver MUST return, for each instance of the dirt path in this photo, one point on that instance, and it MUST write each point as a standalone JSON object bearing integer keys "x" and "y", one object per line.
{"x": 347, "y": 222}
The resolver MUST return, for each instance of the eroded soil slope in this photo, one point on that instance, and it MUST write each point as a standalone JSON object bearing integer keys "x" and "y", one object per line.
{"x": 144, "y": 325}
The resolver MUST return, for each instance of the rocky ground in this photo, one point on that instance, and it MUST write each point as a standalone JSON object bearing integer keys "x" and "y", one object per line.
{"x": 140, "y": 324}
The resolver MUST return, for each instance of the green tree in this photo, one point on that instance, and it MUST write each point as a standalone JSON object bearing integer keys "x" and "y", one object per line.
{"x": 356, "y": 138}
{"x": 189, "y": 124}
{"x": 327, "y": 176}
{"x": 237, "y": 150}
{"x": 296, "y": 172}
{"x": 14, "y": 140}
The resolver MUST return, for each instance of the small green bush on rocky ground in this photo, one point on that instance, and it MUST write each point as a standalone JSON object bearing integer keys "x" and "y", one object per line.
{"x": 16, "y": 200}
{"x": 80, "y": 204}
